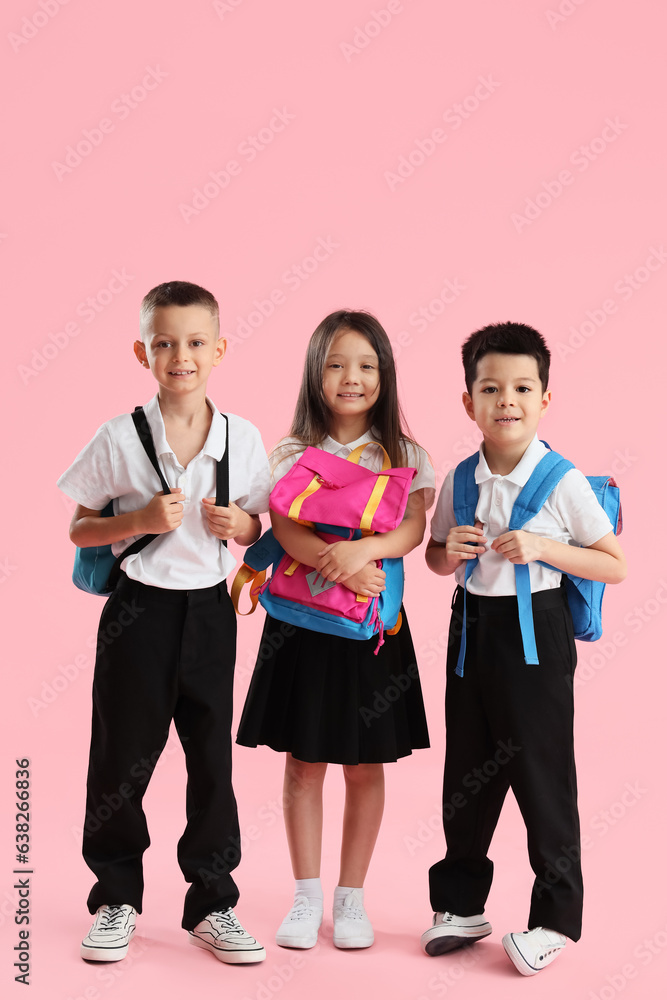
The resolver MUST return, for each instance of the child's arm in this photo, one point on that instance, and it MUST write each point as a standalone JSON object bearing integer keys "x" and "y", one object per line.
{"x": 304, "y": 545}
{"x": 232, "y": 522}
{"x": 341, "y": 560}
{"x": 603, "y": 560}
{"x": 162, "y": 514}
{"x": 463, "y": 542}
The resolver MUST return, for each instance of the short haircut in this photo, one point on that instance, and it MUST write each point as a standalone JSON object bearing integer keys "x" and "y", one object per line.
{"x": 176, "y": 293}
{"x": 505, "y": 338}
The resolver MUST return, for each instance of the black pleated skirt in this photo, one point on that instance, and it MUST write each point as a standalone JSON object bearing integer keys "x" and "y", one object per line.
{"x": 326, "y": 698}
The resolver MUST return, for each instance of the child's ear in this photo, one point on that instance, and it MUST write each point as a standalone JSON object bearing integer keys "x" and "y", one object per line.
{"x": 140, "y": 352}
{"x": 546, "y": 399}
{"x": 468, "y": 406}
{"x": 220, "y": 351}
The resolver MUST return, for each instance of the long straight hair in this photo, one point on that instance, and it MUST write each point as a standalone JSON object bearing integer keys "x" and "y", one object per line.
{"x": 312, "y": 416}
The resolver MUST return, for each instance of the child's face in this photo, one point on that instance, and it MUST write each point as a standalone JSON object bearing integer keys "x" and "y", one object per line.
{"x": 351, "y": 379}
{"x": 181, "y": 345}
{"x": 507, "y": 401}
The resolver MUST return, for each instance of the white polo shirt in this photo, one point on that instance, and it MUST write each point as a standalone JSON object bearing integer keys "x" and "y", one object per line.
{"x": 115, "y": 466}
{"x": 286, "y": 453}
{"x": 572, "y": 514}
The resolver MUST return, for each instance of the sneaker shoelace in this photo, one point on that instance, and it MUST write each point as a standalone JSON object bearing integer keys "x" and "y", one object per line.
{"x": 301, "y": 910}
{"x": 111, "y": 919}
{"x": 227, "y": 920}
{"x": 351, "y": 909}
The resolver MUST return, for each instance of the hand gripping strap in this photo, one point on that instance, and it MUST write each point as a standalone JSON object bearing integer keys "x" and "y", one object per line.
{"x": 144, "y": 432}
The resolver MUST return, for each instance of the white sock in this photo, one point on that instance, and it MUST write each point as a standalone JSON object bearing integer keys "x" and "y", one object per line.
{"x": 341, "y": 891}
{"x": 311, "y": 888}
{"x": 560, "y": 938}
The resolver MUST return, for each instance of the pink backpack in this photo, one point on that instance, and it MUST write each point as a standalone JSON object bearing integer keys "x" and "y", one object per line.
{"x": 330, "y": 490}
{"x": 338, "y": 499}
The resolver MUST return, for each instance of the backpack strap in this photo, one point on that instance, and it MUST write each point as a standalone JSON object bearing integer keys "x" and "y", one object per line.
{"x": 222, "y": 474}
{"x": 246, "y": 574}
{"x": 144, "y": 432}
{"x": 543, "y": 480}
{"x": 466, "y": 494}
{"x": 266, "y": 551}
{"x": 466, "y": 491}
{"x": 355, "y": 455}
{"x": 221, "y": 485}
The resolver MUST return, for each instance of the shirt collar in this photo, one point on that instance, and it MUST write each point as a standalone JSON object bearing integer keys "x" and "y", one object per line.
{"x": 521, "y": 472}
{"x": 214, "y": 446}
{"x": 334, "y": 447}
{"x": 217, "y": 435}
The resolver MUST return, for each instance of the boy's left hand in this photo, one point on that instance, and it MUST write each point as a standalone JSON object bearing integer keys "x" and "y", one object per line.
{"x": 225, "y": 522}
{"x": 341, "y": 560}
{"x": 520, "y": 546}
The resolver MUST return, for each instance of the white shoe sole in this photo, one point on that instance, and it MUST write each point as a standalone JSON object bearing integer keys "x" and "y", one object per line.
{"x": 353, "y": 942}
{"x": 245, "y": 956}
{"x": 291, "y": 938}
{"x": 519, "y": 960}
{"x": 285, "y": 941}
{"x": 101, "y": 953}
{"x": 303, "y": 941}
{"x": 439, "y": 939}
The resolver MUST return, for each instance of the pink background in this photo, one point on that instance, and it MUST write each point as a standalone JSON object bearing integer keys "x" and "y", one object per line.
{"x": 537, "y": 85}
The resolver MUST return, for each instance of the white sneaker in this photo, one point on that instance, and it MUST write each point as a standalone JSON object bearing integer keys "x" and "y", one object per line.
{"x": 532, "y": 950}
{"x": 222, "y": 934}
{"x": 351, "y": 926}
{"x": 450, "y": 931}
{"x": 109, "y": 937}
{"x": 300, "y": 926}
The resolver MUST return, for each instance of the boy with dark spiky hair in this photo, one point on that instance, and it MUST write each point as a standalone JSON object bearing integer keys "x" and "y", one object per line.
{"x": 175, "y": 660}
{"x": 510, "y": 723}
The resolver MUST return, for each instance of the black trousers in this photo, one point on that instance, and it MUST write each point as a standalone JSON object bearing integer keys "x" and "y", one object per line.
{"x": 510, "y": 725}
{"x": 163, "y": 655}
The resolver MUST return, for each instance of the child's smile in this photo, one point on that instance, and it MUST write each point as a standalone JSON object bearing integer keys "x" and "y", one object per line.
{"x": 351, "y": 379}
{"x": 181, "y": 346}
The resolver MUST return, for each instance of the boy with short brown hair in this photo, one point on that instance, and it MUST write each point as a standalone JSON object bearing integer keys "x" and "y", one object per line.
{"x": 176, "y": 658}
{"x": 510, "y": 723}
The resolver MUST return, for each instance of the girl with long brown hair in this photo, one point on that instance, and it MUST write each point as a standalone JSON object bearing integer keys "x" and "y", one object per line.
{"x": 323, "y": 699}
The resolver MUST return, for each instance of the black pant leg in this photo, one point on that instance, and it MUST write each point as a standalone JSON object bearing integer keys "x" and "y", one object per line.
{"x": 134, "y": 691}
{"x": 474, "y": 786}
{"x": 529, "y": 712}
{"x": 534, "y": 704}
{"x": 210, "y": 847}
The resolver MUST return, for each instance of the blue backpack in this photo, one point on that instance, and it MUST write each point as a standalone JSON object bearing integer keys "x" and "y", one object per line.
{"x": 96, "y": 568}
{"x": 584, "y": 596}
{"x": 383, "y": 613}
